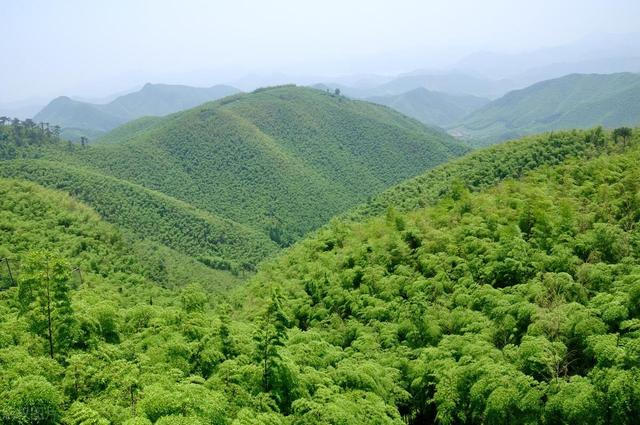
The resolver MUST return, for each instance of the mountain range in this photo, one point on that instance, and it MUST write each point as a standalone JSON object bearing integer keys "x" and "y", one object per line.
{"x": 452, "y": 83}
{"x": 573, "y": 101}
{"x": 83, "y": 118}
{"x": 430, "y": 107}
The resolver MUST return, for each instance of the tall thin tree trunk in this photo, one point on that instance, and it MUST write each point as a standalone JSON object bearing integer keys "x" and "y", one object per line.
{"x": 13, "y": 283}
{"x": 49, "y": 314}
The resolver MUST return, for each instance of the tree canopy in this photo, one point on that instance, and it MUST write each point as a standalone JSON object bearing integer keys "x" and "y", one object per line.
{"x": 515, "y": 302}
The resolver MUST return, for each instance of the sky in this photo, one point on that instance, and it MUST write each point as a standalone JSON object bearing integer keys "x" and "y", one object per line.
{"x": 96, "y": 48}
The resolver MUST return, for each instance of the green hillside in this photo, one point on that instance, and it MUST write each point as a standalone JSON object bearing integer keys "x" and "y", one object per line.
{"x": 574, "y": 101}
{"x": 518, "y": 304}
{"x": 430, "y": 107}
{"x": 282, "y": 160}
{"x": 145, "y": 214}
{"x": 33, "y": 218}
{"x": 483, "y": 168}
{"x": 127, "y": 131}
{"x": 86, "y": 119}
{"x": 151, "y": 215}
{"x": 77, "y": 292}
{"x": 515, "y": 304}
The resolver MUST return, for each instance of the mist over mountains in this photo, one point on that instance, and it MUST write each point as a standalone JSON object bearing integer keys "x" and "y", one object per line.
{"x": 89, "y": 119}
{"x": 573, "y": 101}
{"x": 449, "y": 94}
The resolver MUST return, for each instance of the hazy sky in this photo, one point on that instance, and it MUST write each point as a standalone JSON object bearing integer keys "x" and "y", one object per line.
{"x": 93, "y": 48}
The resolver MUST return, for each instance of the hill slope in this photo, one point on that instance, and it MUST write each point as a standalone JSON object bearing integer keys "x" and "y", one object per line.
{"x": 282, "y": 160}
{"x": 33, "y": 218}
{"x": 517, "y": 304}
{"x": 78, "y": 291}
{"x": 574, "y": 101}
{"x": 430, "y": 107}
{"x": 77, "y": 117}
{"x": 484, "y": 168}
{"x": 151, "y": 215}
{"x": 146, "y": 214}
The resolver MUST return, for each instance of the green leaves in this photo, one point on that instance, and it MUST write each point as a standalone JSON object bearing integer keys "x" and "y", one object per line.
{"x": 498, "y": 307}
{"x": 33, "y": 401}
{"x": 574, "y": 401}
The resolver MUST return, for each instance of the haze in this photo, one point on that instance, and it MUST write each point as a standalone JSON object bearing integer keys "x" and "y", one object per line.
{"x": 92, "y": 49}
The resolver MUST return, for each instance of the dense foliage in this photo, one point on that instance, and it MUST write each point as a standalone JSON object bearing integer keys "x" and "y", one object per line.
{"x": 573, "y": 101}
{"x": 516, "y": 304}
{"x": 18, "y": 138}
{"x": 486, "y": 167}
{"x": 33, "y": 218}
{"x": 75, "y": 282}
{"x": 147, "y": 214}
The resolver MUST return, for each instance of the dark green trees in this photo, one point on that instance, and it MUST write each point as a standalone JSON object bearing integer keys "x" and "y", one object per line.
{"x": 24, "y": 138}
{"x": 622, "y": 133}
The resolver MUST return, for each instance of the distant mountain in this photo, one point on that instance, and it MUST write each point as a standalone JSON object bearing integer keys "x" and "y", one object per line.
{"x": 73, "y": 114}
{"x": 163, "y": 99}
{"x": 573, "y": 101}
{"x": 597, "y": 53}
{"x": 430, "y": 107}
{"x": 83, "y": 118}
{"x": 492, "y": 75}
{"x": 609, "y": 65}
{"x": 452, "y": 83}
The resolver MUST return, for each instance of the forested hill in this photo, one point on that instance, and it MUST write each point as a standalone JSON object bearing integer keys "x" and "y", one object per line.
{"x": 486, "y": 167}
{"x": 281, "y": 160}
{"x": 142, "y": 213}
{"x": 518, "y": 304}
{"x": 88, "y": 119}
{"x": 35, "y": 219}
{"x": 148, "y": 214}
{"x": 573, "y": 101}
